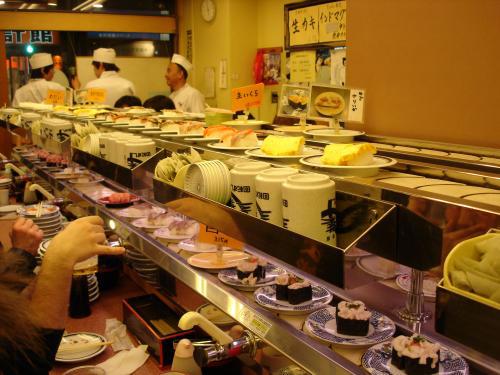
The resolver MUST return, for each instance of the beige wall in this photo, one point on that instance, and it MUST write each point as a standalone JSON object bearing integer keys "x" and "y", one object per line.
{"x": 430, "y": 69}
{"x": 133, "y": 69}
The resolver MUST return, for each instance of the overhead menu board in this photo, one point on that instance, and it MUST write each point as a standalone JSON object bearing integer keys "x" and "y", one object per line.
{"x": 315, "y": 24}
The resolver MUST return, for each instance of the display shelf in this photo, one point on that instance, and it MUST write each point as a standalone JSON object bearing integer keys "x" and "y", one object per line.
{"x": 306, "y": 352}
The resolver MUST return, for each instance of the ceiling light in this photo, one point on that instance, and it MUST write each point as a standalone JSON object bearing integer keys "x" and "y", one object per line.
{"x": 2, "y": 2}
{"x": 97, "y": 5}
{"x": 52, "y": 4}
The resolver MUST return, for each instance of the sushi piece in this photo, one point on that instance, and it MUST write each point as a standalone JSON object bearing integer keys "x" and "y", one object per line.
{"x": 415, "y": 354}
{"x": 352, "y": 318}
{"x": 282, "y": 287}
{"x": 299, "y": 292}
{"x": 253, "y": 267}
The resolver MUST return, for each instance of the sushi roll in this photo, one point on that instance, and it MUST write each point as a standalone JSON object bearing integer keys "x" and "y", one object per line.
{"x": 416, "y": 355}
{"x": 299, "y": 292}
{"x": 282, "y": 287}
{"x": 352, "y": 318}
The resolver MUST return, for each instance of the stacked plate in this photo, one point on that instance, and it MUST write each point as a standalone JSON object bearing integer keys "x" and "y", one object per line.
{"x": 209, "y": 179}
{"x": 93, "y": 286}
{"x": 90, "y": 144}
{"x": 49, "y": 221}
{"x": 5, "y": 183}
{"x": 144, "y": 266}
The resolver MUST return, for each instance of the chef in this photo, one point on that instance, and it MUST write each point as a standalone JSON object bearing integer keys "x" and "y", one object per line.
{"x": 108, "y": 79}
{"x": 42, "y": 72}
{"x": 185, "y": 97}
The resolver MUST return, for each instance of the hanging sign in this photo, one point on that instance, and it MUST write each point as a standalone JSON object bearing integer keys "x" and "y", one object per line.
{"x": 332, "y": 21}
{"x": 96, "y": 95}
{"x": 303, "y": 26}
{"x": 213, "y": 236}
{"x": 243, "y": 98}
{"x": 55, "y": 97}
{"x": 356, "y": 105}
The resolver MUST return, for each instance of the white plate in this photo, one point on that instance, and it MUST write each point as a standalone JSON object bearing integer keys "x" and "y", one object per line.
{"x": 416, "y": 182}
{"x": 175, "y": 135}
{"x": 215, "y": 315}
{"x": 201, "y": 140}
{"x": 143, "y": 223}
{"x": 10, "y": 208}
{"x": 92, "y": 181}
{"x": 222, "y": 146}
{"x": 245, "y": 124}
{"x": 430, "y": 283}
{"x": 199, "y": 247}
{"x": 348, "y": 170}
{"x": 164, "y": 233}
{"x": 340, "y": 136}
{"x": 458, "y": 191}
{"x": 377, "y": 361}
{"x": 372, "y": 266}
{"x": 133, "y": 212}
{"x": 266, "y": 296}
{"x": 307, "y": 152}
{"x": 355, "y": 253}
{"x": 80, "y": 355}
{"x": 209, "y": 260}
{"x": 322, "y": 324}
{"x": 230, "y": 277}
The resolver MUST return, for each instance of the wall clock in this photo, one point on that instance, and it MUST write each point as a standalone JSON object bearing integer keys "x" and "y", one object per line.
{"x": 208, "y": 10}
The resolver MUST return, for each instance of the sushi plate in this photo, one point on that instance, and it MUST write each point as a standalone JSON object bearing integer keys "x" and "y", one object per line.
{"x": 377, "y": 361}
{"x": 266, "y": 297}
{"x": 307, "y": 152}
{"x": 210, "y": 262}
{"x": 79, "y": 338}
{"x": 322, "y": 325}
{"x": 350, "y": 170}
{"x": 222, "y": 146}
{"x": 230, "y": 277}
{"x": 429, "y": 285}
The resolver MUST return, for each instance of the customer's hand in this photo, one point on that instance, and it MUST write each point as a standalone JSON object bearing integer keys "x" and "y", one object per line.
{"x": 80, "y": 240}
{"x": 26, "y": 235}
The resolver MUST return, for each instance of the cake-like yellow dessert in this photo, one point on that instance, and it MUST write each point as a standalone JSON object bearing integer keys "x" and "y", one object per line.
{"x": 349, "y": 154}
{"x": 282, "y": 146}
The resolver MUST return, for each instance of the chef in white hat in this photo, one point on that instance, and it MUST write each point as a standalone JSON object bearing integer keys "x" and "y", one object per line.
{"x": 42, "y": 72}
{"x": 185, "y": 97}
{"x": 108, "y": 78}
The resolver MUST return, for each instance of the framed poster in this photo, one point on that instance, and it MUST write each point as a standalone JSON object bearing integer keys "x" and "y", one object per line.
{"x": 294, "y": 101}
{"x": 345, "y": 104}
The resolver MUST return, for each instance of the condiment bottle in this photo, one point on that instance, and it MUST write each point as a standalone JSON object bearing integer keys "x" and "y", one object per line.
{"x": 184, "y": 360}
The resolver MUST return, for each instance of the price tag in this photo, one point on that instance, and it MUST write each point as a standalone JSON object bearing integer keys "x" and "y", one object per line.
{"x": 356, "y": 105}
{"x": 213, "y": 236}
{"x": 246, "y": 97}
{"x": 96, "y": 95}
{"x": 55, "y": 97}
{"x": 255, "y": 322}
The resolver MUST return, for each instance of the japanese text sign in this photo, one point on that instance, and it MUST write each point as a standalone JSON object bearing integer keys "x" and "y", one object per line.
{"x": 302, "y": 66}
{"x": 303, "y": 26}
{"x": 96, "y": 95}
{"x": 213, "y": 236}
{"x": 55, "y": 97}
{"x": 332, "y": 21}
{"x": 356, "y": 105}
{"x": 246, "y": 97}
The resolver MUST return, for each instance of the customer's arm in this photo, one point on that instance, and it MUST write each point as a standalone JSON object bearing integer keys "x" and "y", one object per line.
{"x": 82, "y": 239}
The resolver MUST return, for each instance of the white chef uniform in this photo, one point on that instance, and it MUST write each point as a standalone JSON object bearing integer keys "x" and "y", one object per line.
{"x": 35, "y": 91}
{"x": 115, "y": 86}
{"x": 188, "y": 99}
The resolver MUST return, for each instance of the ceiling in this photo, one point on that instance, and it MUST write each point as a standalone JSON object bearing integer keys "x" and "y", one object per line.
{"x": 153, "y": 7}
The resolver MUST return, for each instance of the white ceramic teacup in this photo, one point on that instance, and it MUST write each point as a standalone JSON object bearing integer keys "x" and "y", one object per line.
{"x": 309, "y": 206}
{"x": 136, "y": 153}
{"x": 243, "y": 185}
{"x": 268, "y": 193}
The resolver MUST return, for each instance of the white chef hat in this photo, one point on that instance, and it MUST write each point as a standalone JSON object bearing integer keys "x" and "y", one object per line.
{"x": 104, "y": 55}
{"x": 40, "y": 60}
{"x": 182, "y": 61}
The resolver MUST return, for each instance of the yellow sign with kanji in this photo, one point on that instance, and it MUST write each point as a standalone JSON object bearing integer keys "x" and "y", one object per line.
{"x": 213, "y": 236}
{"x": 243, "y": 98}
{"x": 332, "y": 19}
{"x": 55, "y": 97}
{"x": 96, "y": 95}
{"x": 303, "y": 26}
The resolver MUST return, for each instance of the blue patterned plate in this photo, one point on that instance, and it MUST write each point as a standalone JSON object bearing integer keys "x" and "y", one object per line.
{"x": 377, "y": 361}
{"x": 230, "y": 277}
{"x": 266, "y": 296}
{"x": 322, "y": 325}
